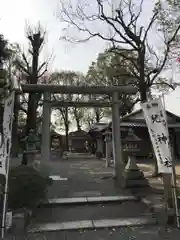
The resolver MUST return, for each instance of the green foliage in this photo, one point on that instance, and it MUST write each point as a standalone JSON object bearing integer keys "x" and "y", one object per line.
{"x": 5, "y": 55}
{"x": 112, "y": 69}
{"x": 169, "y": 27}
{"x": 4, "y": 50}
{"x": 27, "y": 187}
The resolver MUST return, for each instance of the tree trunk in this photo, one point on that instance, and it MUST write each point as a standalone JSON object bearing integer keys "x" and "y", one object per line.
{"x": 78, "y": 124}
{"x": 67, "y": 129}
{"x": 143, "y": 88}
{"x": 97, "y": 115}
{"x": 15, "y": 138}
{"x": 31, "y": 114}
{"x": 67, "y": 136}
{"x": 32, "y": 101}
{"x": 77, "y": 120}
{"x": 142, "y": 82}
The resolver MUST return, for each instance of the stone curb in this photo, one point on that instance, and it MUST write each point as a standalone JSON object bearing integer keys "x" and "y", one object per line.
{"x": 89, "y": 200}
{"x": 92, "y": 224}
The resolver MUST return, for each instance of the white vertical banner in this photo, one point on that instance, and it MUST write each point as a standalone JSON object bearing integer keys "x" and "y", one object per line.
{"x": 5, "y": 146}
{"x": 155, "y": 117}
{"x": 7, "y": 131}
{"x": 2, "y": 159}
{"x": 7, "y": 126}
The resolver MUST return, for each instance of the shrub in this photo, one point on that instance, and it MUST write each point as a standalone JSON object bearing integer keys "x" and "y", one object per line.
{"x": 27, "y": 187}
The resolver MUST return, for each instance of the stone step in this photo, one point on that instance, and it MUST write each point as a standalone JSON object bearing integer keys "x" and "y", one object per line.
{"x": 86, "y": 211}
{"x": 80, "y": 156}
{"x": 89, "y": 200}
{"x": 92, "y": 224}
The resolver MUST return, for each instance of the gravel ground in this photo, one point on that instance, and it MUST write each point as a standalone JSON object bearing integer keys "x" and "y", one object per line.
{"x": 140, "y": 233}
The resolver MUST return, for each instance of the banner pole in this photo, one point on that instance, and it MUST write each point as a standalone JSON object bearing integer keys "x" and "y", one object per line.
{"x": 174, "y": 188}
{"x": 5, "y": 202}
{"x": 5, "y": 195}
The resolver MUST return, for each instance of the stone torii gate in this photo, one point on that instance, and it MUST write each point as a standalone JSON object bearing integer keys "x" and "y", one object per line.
{"x": 113, "y": 91}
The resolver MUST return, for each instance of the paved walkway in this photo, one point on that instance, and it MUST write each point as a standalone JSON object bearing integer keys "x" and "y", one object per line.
{"x": 89, "y": 178}
{"x": 86, "y": 177}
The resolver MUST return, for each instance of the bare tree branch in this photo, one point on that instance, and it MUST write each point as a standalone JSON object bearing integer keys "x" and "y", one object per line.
{"x": 27, "y": 64}
{"x": 154, "y": 17}
{"x": 42, "y": 74}
{"x": 164, "y": 83}
{"x": 166, "y": 53}
{"x": 128, "y": 30}
{"x": 41, "y": 66}
{"x": 21, "y": 66}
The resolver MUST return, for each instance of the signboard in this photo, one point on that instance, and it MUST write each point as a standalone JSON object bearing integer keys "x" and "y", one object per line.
{"x": 5, "y": 146}
{"x": 155, "y": 117}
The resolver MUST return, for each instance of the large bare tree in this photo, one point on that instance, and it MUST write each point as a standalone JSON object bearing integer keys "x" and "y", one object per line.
{"x": 32, "y": 70}
{"x": 128, "y": 30}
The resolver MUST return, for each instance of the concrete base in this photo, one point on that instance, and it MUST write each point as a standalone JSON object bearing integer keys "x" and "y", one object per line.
{"x": 20, "y": 221}
{"x": 133, "y": 177}
{"x": 163, "y": 215}
{"x": 135, "y": 183}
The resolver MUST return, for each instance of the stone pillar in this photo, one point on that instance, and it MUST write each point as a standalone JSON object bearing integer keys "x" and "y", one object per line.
{"x": 99, "y": 145}
{"x": 45, "y": 141}
{"x": 116, "y": 138}
{"x": 108, "y": 153}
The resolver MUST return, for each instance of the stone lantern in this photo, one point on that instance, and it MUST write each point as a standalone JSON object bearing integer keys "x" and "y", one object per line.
{"x": 132, "y": 177}
{"x": 30, "y": 151}
{"x": 108, "y": 142}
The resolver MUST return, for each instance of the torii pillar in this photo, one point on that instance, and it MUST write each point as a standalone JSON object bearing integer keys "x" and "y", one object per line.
{"x": 46, "y": 135}
{"x": 116, "y": 138}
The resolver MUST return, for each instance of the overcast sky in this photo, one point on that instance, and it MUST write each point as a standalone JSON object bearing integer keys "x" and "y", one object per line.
{"x": 15, "y": 14}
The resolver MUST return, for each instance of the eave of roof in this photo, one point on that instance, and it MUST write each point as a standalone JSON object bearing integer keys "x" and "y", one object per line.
{"x": 131, "y": 124}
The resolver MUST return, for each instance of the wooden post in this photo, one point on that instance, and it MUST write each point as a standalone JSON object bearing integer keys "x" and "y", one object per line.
{"x": 167, "y": 190}
{"x": 45, "y": 141}
{"x": 170, "y": 192}
{"x": 116, "y": 137}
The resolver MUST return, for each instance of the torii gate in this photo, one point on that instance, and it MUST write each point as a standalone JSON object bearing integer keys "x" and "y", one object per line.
{"x": 113, "y": 91}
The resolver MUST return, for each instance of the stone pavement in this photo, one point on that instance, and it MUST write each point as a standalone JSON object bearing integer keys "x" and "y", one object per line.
{"x": 86, "y": 176}
{"x": 129, "y": 233}
{"x": 90, "y": 178}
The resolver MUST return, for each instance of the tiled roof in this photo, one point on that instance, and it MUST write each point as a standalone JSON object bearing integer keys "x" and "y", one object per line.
{"x": 98, "y": 127}
{"x": 131, "y": 124}
{"x": 78, "y": 133}
{"x": 140, "y": 110}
